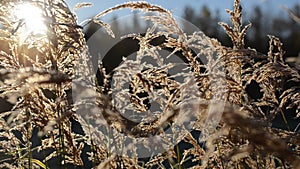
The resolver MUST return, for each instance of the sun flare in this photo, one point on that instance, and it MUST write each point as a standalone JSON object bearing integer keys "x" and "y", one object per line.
{"x": 31, "y": 17}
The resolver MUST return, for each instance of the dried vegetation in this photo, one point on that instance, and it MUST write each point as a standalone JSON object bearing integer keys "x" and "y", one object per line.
{"x": 37, "y": 74}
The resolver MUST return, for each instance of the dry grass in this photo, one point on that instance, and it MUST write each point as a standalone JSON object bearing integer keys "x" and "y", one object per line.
{"x": 38, "y": 74}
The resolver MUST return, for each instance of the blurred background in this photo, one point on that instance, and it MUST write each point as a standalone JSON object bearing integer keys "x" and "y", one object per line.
{"x": 267, "y": 17}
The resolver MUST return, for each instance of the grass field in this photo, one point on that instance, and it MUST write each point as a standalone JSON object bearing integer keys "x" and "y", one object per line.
{"x": 229, "y": 107}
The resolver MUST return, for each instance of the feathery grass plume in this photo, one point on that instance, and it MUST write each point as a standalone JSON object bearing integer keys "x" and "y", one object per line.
{"x": 40, "y": 70}
{"x": 37, "y": 71}
{"x": 82, "y": 5}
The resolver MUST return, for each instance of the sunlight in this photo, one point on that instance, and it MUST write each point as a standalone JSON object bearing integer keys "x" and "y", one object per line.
{"x": 33, "y": 20}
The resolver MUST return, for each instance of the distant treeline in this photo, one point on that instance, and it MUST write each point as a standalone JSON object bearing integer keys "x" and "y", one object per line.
{"x": 263, "y": 24}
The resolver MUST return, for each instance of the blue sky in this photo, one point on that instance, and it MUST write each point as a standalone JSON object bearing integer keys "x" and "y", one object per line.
{"x": 271, "y": 7}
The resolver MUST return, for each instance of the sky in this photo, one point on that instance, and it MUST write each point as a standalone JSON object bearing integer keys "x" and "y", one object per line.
{"x": 271, "y": 7}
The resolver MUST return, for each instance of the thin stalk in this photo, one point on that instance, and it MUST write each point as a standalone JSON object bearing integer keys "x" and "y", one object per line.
{"x": 285, "y": 121}
{"x": 28, "y": 135}
{"x": 297, "y": 127}
{"x": 178, "y": 157}
{"x": 61, "y": 145}
{"x": 61, "y": 150}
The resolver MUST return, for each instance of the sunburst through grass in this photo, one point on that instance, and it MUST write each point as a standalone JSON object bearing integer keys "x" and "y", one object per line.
{"x": 32, "y": 18}
{"x": 45, "y": 66}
